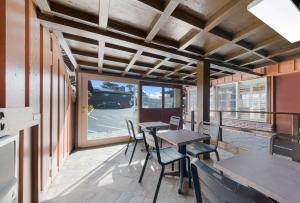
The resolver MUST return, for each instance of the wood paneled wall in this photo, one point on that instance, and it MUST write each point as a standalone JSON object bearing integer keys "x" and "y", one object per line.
{"x": 285, "y": 67}
{"x": 32, "y": 73}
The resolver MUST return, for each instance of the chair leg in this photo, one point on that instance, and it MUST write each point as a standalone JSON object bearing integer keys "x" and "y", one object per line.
{"x": 189, "y": 172}
{"x": 127, "y": 145}
{"x": 135, "y": 143}
{"x": 217, "y": 155}
{"x": 158, "y": 184}
{"x": 161, "y": 143}
{"x": 144, "y": 167}
{"x": 173, "y": 166}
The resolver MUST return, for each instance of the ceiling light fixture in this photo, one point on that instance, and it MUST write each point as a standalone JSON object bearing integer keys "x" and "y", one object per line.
{"x": 282, "y": 16}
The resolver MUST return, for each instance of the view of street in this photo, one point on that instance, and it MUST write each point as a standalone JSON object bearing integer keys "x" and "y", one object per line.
{"x": 104, "y": 123}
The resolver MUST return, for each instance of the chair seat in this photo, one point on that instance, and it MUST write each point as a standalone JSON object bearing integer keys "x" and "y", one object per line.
{"x": 168, "y": 155}
{"x": 198, "y": 148}
{"x": 139, "y": 136}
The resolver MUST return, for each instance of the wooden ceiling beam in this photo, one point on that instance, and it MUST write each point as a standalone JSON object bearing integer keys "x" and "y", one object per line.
{"x": 103, "y": 20}
{"x": 277, "y": 53}
{"x": 125, "y": 49}
{"x": 66, "y": 48}
{"x": 237, "y": 37}
{"x": 44, "y": 6}
{"x": 157, "y": 24}
{"x": 238, "y": 70}
{"x": 257, "y": 47}
{"x": 177, "y": 69}
{"x": 91, "y": 32}
{"x": 91, "y": 19}
{"x": 186, "y": 76}
{"x": 215, "y": 20}
{"x": 198, "y": 25}
{"x": 158, "y": 64}
{"x": 85, "y": 17}
{"x": 177, "y": 82}
{"x": 80, "y": 29}
{"x": 126, "y": 61}
{"x": 286, "y": 49}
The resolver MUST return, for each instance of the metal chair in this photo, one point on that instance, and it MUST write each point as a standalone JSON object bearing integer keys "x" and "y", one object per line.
{"x": 212, "y": 186}
{"x": 136, "y": 138}
{"x": 286, "y": 145}
{"x": 164, "y": 156}
{"x": 199, "y": 148}
{"x": 174, "y": 124}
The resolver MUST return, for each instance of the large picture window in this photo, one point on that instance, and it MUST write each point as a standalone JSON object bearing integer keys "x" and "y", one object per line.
{"x": 250, "y": 95}
{"x": 226, "y": 99}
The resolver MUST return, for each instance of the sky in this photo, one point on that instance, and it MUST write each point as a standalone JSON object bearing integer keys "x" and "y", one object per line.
{"x": 151, "y": 91}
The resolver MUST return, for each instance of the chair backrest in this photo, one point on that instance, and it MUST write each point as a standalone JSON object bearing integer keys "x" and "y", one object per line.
{"x": 210, "y": 129}
{"x": 286, "y": 145}
{"x": 174, "y": 123}
{"x": 213, "y": 186}
{"x": 151, "y": 140}
{"x": 130, "y": 128}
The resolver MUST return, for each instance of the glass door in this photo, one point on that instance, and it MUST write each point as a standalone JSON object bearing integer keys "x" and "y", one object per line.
{"x": 109, "y": 105}
{"x": 104, "y": 104}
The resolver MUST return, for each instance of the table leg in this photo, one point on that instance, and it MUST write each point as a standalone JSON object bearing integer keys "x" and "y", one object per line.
{"x": 183, "y": 170}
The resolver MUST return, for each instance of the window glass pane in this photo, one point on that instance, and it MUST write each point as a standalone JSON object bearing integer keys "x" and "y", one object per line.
{"x": 252, "y": 97}
{"x": 172, "y": 98}
{"x": 226, "y": 99}
{"x": 212, "y": 103}
{"x": 109, "y": 105}
{"x": 151, "y": 97}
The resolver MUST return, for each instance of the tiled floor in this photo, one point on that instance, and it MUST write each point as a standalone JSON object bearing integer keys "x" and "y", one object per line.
{"x": 103, "y": 175}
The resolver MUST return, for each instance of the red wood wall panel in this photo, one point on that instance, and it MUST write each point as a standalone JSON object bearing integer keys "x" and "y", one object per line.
{"x": 287, "y": 99}
{"x": 26, "y": 80}
{"x": 55, "y": 109}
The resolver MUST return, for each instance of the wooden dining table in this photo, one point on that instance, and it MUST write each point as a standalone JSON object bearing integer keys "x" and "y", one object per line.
{"x": 153, "y": 126}
{"x": 274, "y": 176}
{"x": 181, "y": 138}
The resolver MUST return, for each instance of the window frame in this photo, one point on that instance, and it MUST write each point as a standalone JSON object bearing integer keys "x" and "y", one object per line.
{"x": 163, "y": 86}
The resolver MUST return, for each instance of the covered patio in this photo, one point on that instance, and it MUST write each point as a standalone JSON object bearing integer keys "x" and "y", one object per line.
{"x": 149, "y": 101}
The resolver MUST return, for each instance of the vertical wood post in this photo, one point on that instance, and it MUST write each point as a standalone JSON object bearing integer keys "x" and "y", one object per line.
{"x": 192, "y": 120}
{"x": 203, "y": 94}
{"x": 220, "y": 123}
{"x": 295, "y": 125}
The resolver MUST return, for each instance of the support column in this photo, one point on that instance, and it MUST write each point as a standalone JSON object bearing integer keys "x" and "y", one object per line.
{"x": 203, "y": 94}
{"x": 203, "y": 91}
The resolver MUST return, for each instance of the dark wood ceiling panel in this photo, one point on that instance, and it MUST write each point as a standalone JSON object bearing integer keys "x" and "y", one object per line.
{"x": 207, "y": 41}
{"x": 112, "y": 63}
{"x": 238, "y": 21}
{"x": 82, "y": 46}
{"x": 132, "y": 13}
{"x": 174, "y": 29}
{"x": 261, "y": 35}
{"x": 291, "y": 55}
{"x": 279, "y": 44}
{"x": 229, "y": 50}
{"x": 202, "y": 8}
{"x": 90, "y": 6}
{"x": 85, "y": 58}
{"x": 117, "y": 53}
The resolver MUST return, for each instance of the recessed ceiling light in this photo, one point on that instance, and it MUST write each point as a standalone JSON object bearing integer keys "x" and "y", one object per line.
{"x": 282, "y": 16}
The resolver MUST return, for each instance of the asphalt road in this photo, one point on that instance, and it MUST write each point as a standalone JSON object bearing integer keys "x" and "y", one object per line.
{"x": 110, "y": 122}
